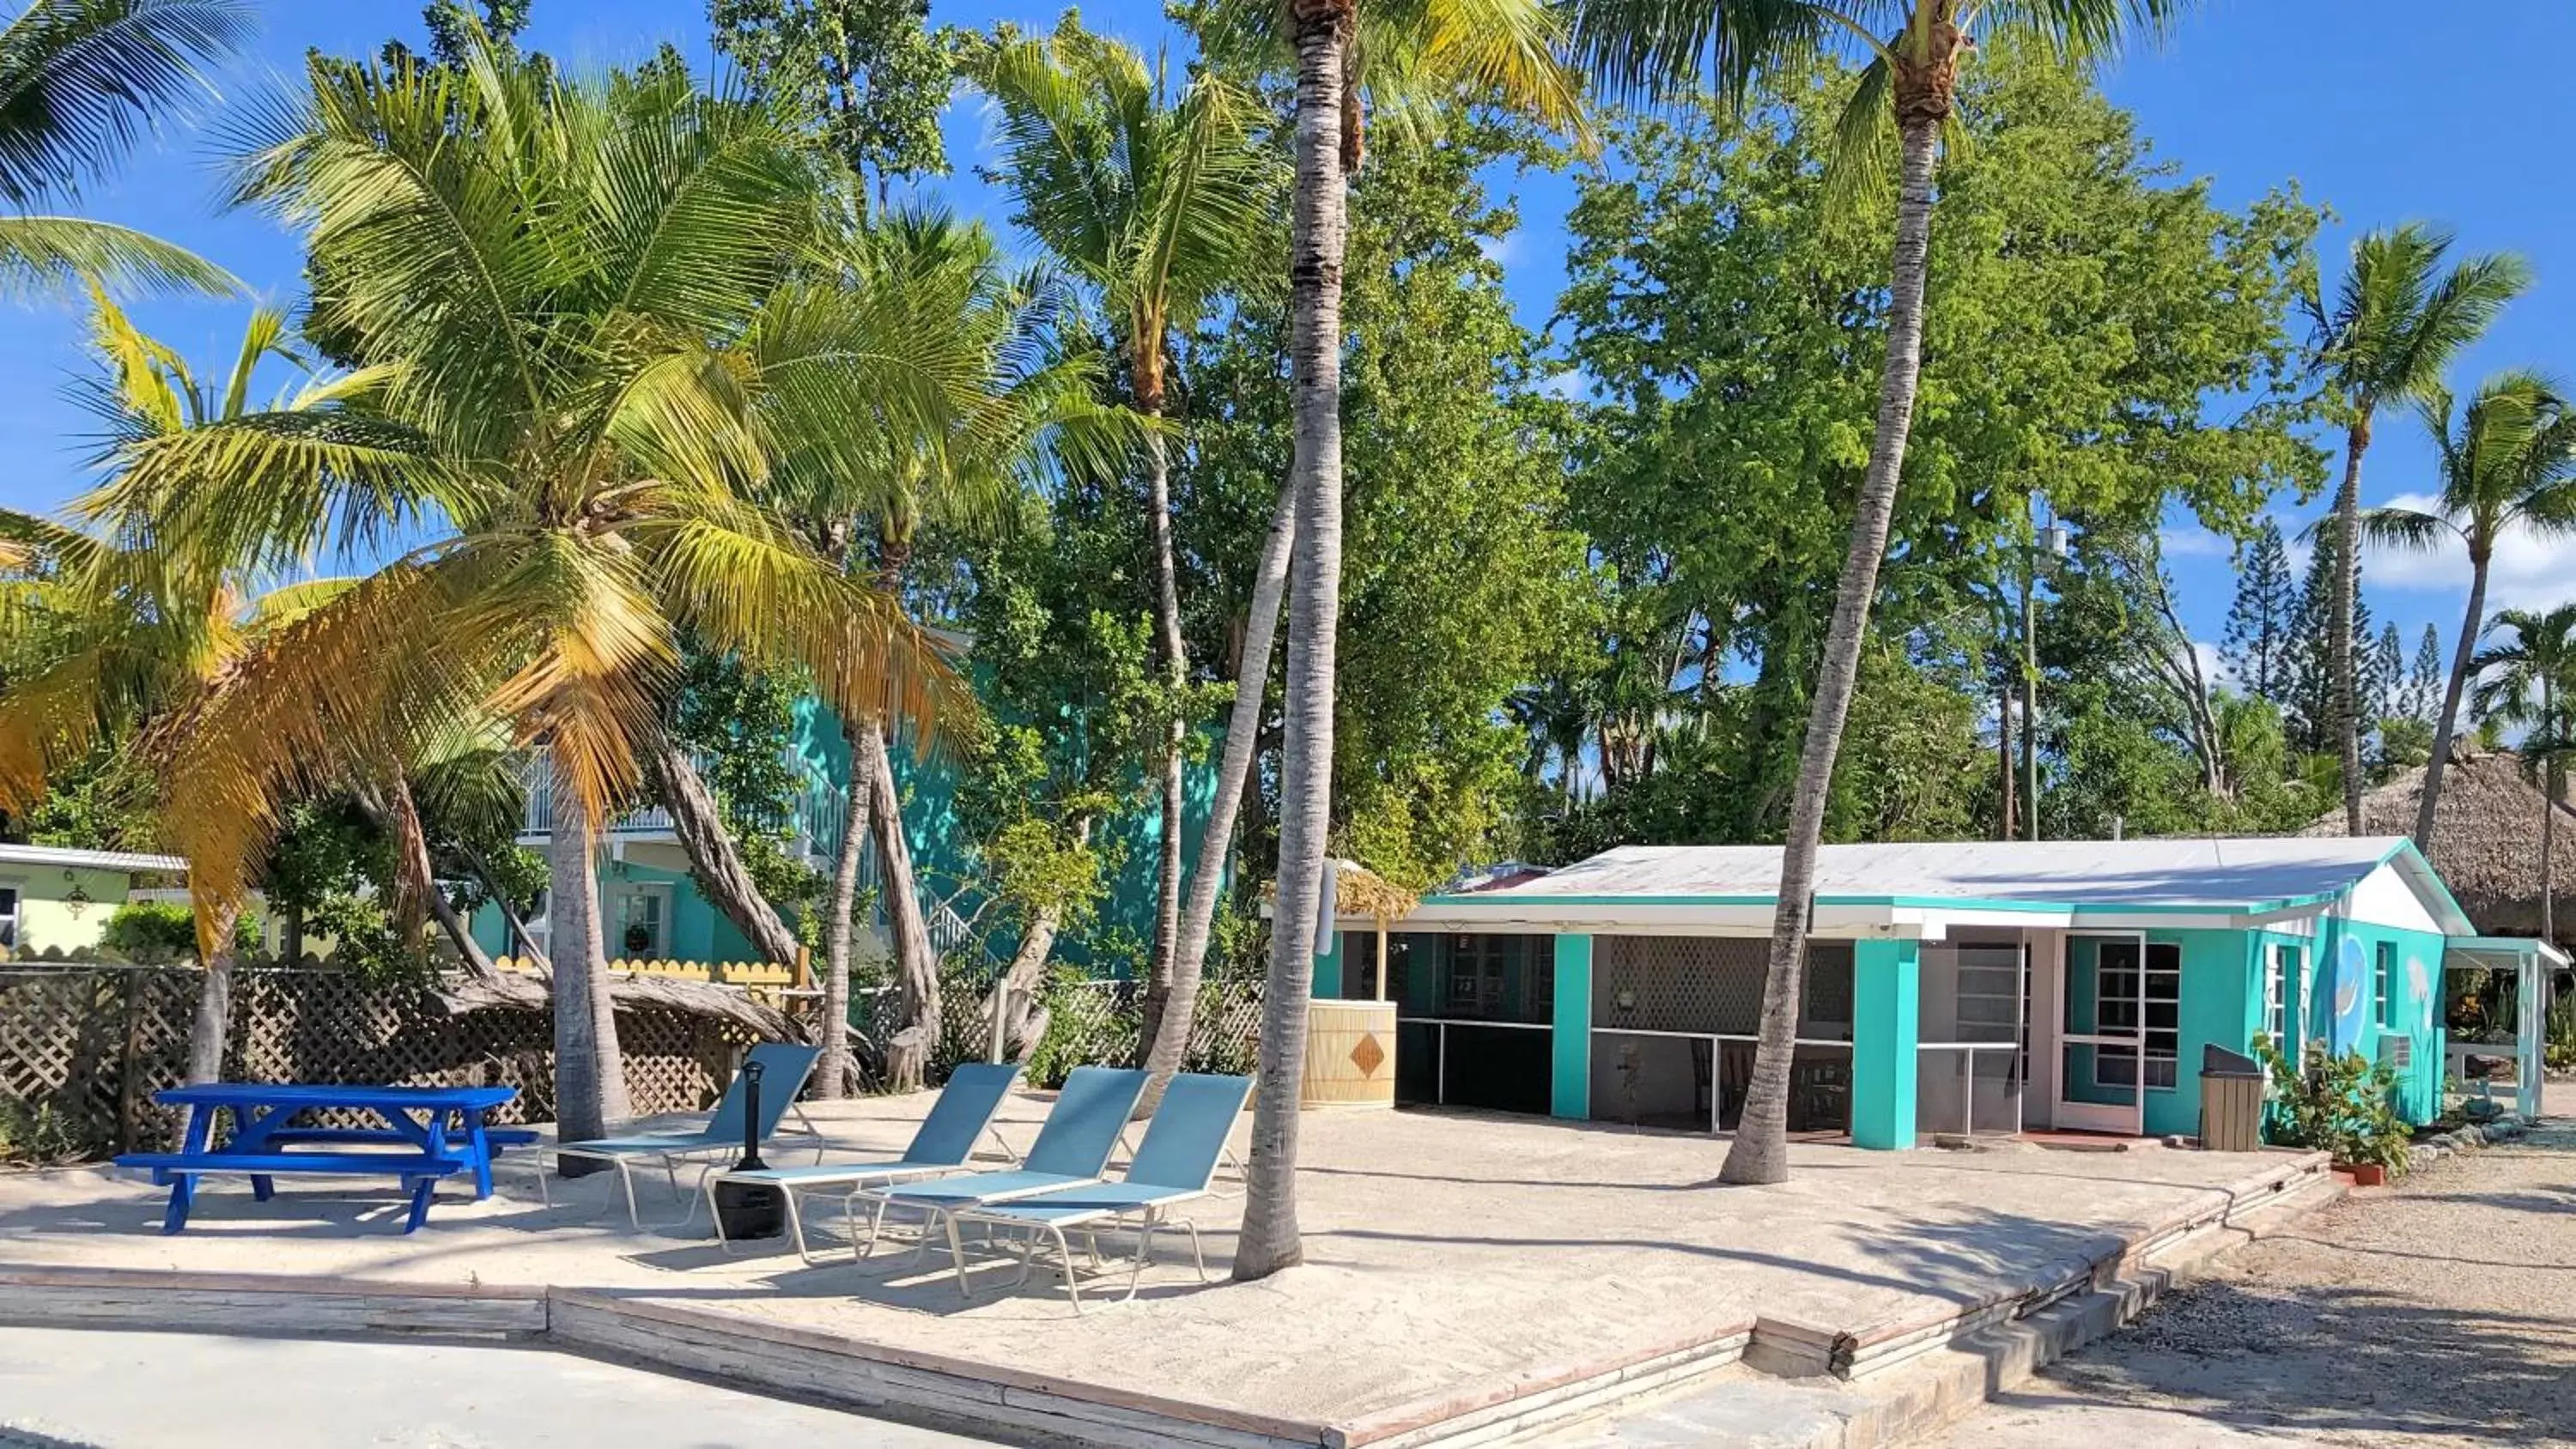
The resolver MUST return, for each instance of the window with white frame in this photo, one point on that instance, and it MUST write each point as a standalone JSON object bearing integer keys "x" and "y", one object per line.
{"x": 2122, "y": 996}
{"x": 2383, "y": 985}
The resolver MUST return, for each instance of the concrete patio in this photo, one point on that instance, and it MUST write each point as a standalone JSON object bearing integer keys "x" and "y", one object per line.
{"x": 1465, "y": 1275}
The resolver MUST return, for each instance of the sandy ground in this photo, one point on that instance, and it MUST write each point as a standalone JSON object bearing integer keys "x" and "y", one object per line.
{"x": 1442, "y": 1250}
{"x": 148, "y": 1390}
{"x": 2441, "y": 1312}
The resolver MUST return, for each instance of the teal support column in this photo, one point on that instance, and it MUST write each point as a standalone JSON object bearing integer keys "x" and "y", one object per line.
{"x": 1887, "y": 990}
{"x": 1328, "y": 968}
{"x": 1570, "y": 1059}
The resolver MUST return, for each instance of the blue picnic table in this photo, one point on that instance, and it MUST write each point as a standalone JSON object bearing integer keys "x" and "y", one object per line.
{"x": 424, "y": 1134}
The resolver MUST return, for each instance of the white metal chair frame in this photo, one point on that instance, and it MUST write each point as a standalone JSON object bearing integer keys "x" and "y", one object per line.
{"x": 707, "y": 1157}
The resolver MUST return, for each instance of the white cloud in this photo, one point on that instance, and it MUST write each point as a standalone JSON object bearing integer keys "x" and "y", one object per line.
{"x": 2213, "y": 669}
{"x": 2527, "y": 572}
{"x": 1500, "y": 250}
{"x": 1570, "y": 385}
{"x": 2193, "y": 541}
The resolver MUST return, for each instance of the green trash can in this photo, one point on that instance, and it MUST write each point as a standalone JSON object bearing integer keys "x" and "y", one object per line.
{"x": 2231, "y": 1101}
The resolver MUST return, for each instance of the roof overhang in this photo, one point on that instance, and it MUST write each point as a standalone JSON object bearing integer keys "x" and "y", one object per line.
{"x": 2500, "y": 953}
{"x": 67, "y": 858}
{"x": 1836, "y": 918}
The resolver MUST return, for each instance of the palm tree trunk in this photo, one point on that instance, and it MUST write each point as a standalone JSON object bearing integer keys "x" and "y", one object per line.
{"x": 1167, "y": 1044}
{"x": 2460, "y": 659}
{"x": 1270, "y": 1239}
{"x": 2347, "y": 725}
{"x": 1760, "y": 1152}
{"x": 834, "y": 1070}
{"x": 715, "y": 862}
{"x": 1163, "y": 977}
{"x": 916, "y": 965}
{"x": 2550, "y": 736}
{"x": 211, "y": 1028}
{"x": 590, "y": 1072}
{"x": 399, "y": 815}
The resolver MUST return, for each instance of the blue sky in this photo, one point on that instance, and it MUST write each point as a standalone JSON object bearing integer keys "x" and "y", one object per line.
{"x": 2376, "y": 111}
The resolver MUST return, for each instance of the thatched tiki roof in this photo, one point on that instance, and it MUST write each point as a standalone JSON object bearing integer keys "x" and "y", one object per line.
{"x": 2486, "y": 843}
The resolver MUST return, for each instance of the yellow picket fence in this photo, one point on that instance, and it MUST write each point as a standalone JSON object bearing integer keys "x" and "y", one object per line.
{"x": 768, "y": 980}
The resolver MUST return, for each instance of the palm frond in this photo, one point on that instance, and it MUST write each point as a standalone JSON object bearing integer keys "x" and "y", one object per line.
{"x": 47, "y": 254}
{"x": 81, "y": 81}
{"x": 2404, "y": 528}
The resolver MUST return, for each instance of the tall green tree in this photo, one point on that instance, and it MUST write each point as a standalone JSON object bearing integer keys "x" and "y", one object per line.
{"x": 1910, "y": 82}
{"x": 586, "y": 298}
{"x": 81, "y": 82}
{"x": 2258, "y": 641}
{"x": 2399, "y": 319}
{"x": 2527, "y": 676}
{"x": 2508, "y": 464}
{"x": 1154, "y": 195}
{"x": 1421, "y": 53}
{"x": 871, "y": 73}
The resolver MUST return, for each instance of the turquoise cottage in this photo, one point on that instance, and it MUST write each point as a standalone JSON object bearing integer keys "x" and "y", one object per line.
{"x": 1976, "y": 987}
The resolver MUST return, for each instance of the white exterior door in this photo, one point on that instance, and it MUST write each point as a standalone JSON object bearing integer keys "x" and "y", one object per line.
{"x": 2102, "y": 1034}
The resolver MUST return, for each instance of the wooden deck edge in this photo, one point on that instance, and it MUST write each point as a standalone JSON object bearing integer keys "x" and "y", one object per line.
{"x": 51, "y": 1296}
{"x": 1790, "y": 1348}
{"x": 1543, "y": 1395}
{"x": 906, "y": 1382}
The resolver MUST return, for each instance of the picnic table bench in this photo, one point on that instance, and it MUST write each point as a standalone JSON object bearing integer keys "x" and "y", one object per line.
{"x": 426, "y": 1134}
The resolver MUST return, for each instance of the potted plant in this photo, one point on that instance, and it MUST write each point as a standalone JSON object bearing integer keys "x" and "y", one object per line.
{"x": 2345, "y": 1105}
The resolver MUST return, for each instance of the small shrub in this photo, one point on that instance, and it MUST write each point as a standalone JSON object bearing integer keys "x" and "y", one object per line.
{"x": 162, "y": 930}
{"x": 2558, "y": 1035}
{"x": 38, "y": 1136}
{"x": 2345, "y": 1105}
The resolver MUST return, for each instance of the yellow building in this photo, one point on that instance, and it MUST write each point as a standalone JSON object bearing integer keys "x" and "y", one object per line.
{"x": 53, "y": 898}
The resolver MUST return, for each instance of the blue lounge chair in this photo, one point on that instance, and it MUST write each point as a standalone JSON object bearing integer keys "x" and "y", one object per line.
{"x": 946, "y": 1138}
{"x": 784, "y": 1068}
{"x": 1175, "y": 1165}
{"x": 1073, "y": 1148}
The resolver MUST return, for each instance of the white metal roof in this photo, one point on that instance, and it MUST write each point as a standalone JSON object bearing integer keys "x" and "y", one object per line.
{"x": 2232, "y": 874}
{"x": 1910, "y": 888}
{"x": 68, "y": 858}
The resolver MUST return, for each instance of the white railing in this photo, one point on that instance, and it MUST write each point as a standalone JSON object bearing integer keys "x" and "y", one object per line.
{"x": 814, "y": 815}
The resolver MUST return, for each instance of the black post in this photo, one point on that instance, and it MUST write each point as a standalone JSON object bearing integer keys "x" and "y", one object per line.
{"x": 750, "y": 1209}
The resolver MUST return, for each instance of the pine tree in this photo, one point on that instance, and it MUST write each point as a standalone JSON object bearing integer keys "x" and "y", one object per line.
{"x": 2308, "y": 692}
{"x": 2424, "y": 678}
{"x": 2258, "y": 642}
{"x": 2388, "y": 675}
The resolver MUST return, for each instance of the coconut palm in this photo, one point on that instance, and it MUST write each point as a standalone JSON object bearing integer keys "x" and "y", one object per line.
{"x": 592, "y": 303}
{"x": 2508, "y": 463}
{"x": 130, "y": 633}
{"x": 81, "y": 81}
{"x": 2398, "y": 320}
{"x": 1408, "y": 58}
{"x": 2526, "y": 677}
{"x": 1031, "y": 411}
{"x": 1153, "y": 199}
{"x": 1913, "y": 51}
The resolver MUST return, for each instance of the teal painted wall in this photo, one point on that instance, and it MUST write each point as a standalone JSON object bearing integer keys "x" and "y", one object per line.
{"x": 1570, "y": 1041}
{"x": 2415, "y": 1012}
{"x": 1887, "y": 990}
{"x": 943, "y": 856}
{"x": 696, "y": 930}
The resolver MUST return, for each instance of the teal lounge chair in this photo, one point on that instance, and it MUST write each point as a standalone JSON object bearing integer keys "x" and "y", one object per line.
{"x": 1175, "y": 1166}
{"x": 1073, "y": 1148}
{"x": 946, "y": 1138}
{"x": 784, "y": 1068}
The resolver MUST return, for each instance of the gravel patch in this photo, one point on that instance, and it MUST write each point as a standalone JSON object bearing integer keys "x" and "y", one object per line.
{"x": 2441, "y": 1312}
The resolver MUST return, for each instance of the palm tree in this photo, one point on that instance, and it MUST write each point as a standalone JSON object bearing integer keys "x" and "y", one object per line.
{"x": 1410, "y": 55}
{"x": 1031, "y": 411}
{"x": 1653, "y": 46}
{"x": 133, "y": 634}
{"x": 81, "y": 81}
{"x": 2509, "y": 463}
{"x": 588, "y": 298}
{"x": 2524, "y": 678}
{"x": 1153, "y": 200}
{"x": 2398, "y": 321}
